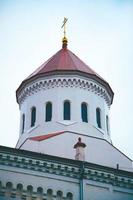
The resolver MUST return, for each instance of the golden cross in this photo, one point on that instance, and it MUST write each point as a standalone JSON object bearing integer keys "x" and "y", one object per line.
{"x": 64, "y": 25}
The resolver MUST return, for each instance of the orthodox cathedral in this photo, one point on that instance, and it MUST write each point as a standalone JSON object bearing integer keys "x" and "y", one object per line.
{"x": 64, "y": 150}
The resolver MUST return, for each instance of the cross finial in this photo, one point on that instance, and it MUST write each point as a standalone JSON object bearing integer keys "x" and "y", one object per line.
{"x": 64, "y": 40}
{"x": 64, "y": 25}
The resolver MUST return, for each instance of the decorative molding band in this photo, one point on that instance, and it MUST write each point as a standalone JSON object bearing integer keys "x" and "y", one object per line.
{"x": 21, "y": 191}
{"x": 76, "y": 171}
{"x": 47, "y": 84}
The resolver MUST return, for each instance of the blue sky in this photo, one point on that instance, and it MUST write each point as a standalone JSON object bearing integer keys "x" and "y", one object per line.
{"x": 99, "y": 32}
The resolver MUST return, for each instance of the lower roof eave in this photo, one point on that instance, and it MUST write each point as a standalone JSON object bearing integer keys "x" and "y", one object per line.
{"x": 60, "y": 160}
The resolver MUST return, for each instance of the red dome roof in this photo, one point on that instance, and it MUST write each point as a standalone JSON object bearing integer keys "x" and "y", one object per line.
{"x": 64, "y": 62}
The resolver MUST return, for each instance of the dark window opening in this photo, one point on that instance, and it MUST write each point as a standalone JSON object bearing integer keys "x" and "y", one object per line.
{"x": 23, "y": 122}
{"x": 48, "y": 112}
{"x": 69, "y": 196}
{"x": 98, "y": 117}
{"x": 66, "y": 110}
{"x": 33, "y": 116}
{"x": 50, "y": 194}
{"x": 107, "y": 123}
{"x": 84, "y": 112}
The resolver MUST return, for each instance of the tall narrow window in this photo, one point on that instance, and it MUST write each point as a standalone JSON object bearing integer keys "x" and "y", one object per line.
{"x": 23, "y": 122}
{"x": 84, "y": 112}
{"x": 48, "y": 111}
{"x": 33, "y": 116}
{"x": 66, "y": 110}
{"x": 98, "y": 117}
{"x": 107, "y": 123}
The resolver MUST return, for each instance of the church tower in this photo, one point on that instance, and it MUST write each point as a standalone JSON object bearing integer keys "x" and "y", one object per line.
{"x": 64, "y": 151}
{"x": 62, "y": 100}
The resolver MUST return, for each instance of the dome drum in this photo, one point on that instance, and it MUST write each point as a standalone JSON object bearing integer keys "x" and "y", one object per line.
{"x": 63, "y": 94}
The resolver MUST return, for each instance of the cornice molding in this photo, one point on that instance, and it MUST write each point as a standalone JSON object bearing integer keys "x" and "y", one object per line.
{"x": 80, "y": 83}
{"x": 77, "y": 171}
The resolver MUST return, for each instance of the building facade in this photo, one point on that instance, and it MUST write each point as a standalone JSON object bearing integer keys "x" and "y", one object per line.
{"x": 64, "y": 149}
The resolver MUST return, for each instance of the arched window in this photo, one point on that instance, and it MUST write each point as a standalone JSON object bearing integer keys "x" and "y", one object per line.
{"x": 98, "y": 117}
{"x": 66, "y": 110}
{"x": 107, "y": 123}
{"x": 8, "y": 190}
{"x": 33, "y": 116}
{"x": 23, "y": 122}
{"x": 19, "y": 187}
{"x": 49, "y": 194}
{"x": 9, "y": 185}
{"x": 39, "y": 192}
{"x": 59, "y": 195}
{"x": 19, "y": 191}
{"x": 69, "y": 196}
{"x": 29, "y": 190}
{"x": 84, "y": 112}
{"x": 48, "y": 112}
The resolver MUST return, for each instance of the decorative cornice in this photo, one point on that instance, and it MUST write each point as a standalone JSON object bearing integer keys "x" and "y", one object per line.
{"x": 80, "y": 83}
{"x": 66, "y": 167}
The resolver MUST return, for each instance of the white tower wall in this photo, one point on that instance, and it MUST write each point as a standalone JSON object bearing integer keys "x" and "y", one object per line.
{"x": 75, "y": 89}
